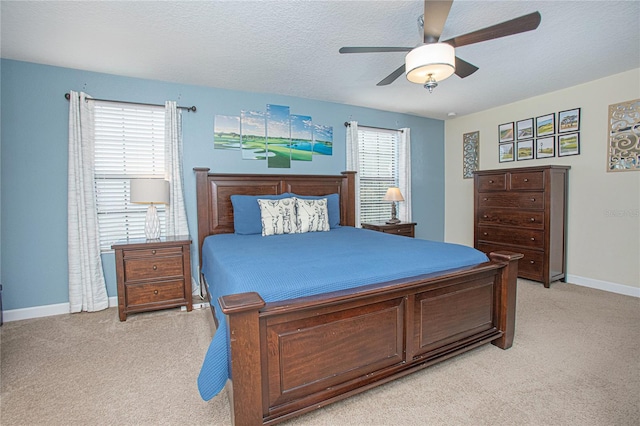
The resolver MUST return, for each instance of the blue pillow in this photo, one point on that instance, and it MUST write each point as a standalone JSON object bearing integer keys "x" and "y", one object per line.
{"x": 246, "y": 212}
{"x": 333, "y": 207}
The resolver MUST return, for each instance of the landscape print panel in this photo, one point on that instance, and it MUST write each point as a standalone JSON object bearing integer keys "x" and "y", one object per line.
{"x": 253, "y": 138}
{"x": 278, "y": 137}
{"x": 301, "y": 138}
{"x": 226, "y": 132}
{"x": 323, "y": 140}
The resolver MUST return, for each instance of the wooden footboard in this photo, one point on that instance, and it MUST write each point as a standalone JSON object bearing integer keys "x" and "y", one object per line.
{"x": 291, "y": 357}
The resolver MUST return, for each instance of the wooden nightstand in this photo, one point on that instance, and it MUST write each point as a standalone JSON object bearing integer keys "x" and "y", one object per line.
{"x": 406, "y": 229}
{"x": 153, "y": 274}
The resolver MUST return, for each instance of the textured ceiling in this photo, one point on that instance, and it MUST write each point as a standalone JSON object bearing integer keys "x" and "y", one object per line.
{"x": 291, "y": 47}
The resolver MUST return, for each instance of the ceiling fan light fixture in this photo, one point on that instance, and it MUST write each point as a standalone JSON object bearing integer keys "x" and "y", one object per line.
{"x": 434, "y": 61}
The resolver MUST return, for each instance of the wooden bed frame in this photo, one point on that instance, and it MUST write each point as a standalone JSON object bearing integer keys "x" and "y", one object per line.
{"x": 294, "y": 356}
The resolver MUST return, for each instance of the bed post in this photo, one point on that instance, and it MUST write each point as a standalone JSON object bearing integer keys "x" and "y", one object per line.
{"x": 348, "y": 200}
{"x": 203, "y": 199}
{"x": 506, "y": 294}
{"x": 245, "y": 397}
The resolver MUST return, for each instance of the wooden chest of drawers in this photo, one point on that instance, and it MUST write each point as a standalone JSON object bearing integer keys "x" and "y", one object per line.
{"x": 524, "y": 210}
{"x": 406, "y": 229}
{"x": 153, "y": 275}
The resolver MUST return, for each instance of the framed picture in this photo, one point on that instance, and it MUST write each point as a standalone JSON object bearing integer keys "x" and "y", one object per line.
{"x": 505, "y": 132}
{"x": 545, "y": 125}
{"x": 525, "y": 150}
{"x": 505, "y": 152}
{"x": 569, "y": 120}
{"x": 546, "y": 147}
{"x": 524, "y": 129}
{"x": 568, "y": 144}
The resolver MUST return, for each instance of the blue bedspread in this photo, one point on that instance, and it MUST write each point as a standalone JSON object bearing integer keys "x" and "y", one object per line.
{"x": 308, "y": 264}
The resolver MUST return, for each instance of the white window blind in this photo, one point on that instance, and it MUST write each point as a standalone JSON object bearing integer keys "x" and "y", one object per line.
{"x": 378, "y": 156}
{"x": 129, "y": 143}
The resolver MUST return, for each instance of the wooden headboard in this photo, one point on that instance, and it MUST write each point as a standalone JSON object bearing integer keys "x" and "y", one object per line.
{"x": 214, "y": 191}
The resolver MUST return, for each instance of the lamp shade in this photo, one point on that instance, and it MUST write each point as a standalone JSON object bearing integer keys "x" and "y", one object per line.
{"x": 393, "y": 194}
{"x": 149, "y": 191}
{"x": 437, "y": 60}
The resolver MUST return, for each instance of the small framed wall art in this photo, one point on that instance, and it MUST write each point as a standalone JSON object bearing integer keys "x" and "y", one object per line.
{"x": 568, "y": 144}
{"x": 546, "y": 147}
{"x": 525, "y": 150}
{"x": 524, "y": 129}
{"x": 505, "y": 132}
{"x": 545, "y": 125}
{"x": 569, "y": 120}
{"x": 505, "y": 152}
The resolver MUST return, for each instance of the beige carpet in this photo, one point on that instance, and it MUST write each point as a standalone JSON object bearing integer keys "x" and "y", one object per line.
{"x": 575, "y": 361}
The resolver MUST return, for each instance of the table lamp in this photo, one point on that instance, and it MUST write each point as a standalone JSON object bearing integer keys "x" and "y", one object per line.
{"x": 393, "y": 194}
{"x": 150, "y": 191}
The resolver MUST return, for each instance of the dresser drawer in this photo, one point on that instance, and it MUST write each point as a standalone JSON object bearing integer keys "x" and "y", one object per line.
{"x": 139, "y": 268}
{"x": 531, "y": 266}
{"x": 497, "y": 182}
{"x": 530, "y": 200}
{"x": 155, "y": 292}
{"x": 527, "y": 181}
{"x": 533, "y": 219}
{"x": 518, "y": 237}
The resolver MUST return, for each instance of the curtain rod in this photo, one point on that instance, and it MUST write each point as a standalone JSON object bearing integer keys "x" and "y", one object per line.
{"x": 67, "y": 96}
{"x": 346, "y": 124}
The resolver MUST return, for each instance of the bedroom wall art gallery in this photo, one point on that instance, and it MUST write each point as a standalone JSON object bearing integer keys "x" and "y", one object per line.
{"x": 516, "y": 139}
{"x": 34, "y": 148}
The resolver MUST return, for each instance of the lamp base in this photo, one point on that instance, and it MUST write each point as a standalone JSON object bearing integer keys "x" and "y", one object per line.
{"x": 152, "y": 224}
{"x": 393, "y": 221}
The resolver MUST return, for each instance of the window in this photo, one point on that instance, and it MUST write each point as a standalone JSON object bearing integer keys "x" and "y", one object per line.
{"x": 129, "y": 143}
{"x": 378, "y": 158}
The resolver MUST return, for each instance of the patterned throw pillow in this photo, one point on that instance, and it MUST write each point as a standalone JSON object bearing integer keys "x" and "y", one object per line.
{"x": 312, "y": 215}
{"x": 278, "y": 216}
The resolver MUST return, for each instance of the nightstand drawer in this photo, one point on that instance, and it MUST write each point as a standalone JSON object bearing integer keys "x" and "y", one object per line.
{"x": 156, "y": 292}
{"x": 159, "y": 267}
{"x": 404, "y": 230}
{"x": 152, "y": 253}
{"x": 519, "y": 237}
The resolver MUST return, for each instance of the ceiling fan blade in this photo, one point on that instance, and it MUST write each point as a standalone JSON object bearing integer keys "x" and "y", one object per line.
{"x": 515, "y": 26}
{"x": 374, "y": 49}
{"x": 435, "y": 16}
{"x": 391, "y": 77}
{"x": 464, "y": 68}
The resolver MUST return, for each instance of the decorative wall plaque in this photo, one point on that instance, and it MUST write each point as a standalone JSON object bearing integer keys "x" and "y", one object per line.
{"x": 624, "y": 136}
{"x": 470, "y": 153}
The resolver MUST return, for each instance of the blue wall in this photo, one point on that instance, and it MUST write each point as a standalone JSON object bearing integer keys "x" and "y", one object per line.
{"x": 33, "y": 229}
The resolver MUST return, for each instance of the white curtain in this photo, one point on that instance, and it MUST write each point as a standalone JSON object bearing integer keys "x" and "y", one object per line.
{"x": 176, "y": 213}
{"x": 87, "y": 289}
{"x": 404, "y": 174}
{"x": 353, "y": 162}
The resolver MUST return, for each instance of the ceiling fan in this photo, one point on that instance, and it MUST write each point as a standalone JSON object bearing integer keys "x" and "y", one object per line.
{"x": 435, "y": 60}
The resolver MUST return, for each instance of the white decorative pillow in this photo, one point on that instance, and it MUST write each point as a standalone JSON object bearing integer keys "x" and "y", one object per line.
{"x": 312, "y": 215}
{"x": 278, "y": 216}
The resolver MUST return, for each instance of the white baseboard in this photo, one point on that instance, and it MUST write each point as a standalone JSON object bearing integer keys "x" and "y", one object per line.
{"x": 604, "y": 285}
{"x": 63, "y": 308}
{"x": 43, "y": 311}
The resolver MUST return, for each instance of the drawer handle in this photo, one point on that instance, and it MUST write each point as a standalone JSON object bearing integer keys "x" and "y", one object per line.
{"x": 485, "y": 199}
{"x": 153, "y": 252}
{"x": 155, "y": 267}
{"x": 533, "y": 219}
{"x": 485, "y": 216}
{"x": 155, "y": 291}
{"x": 526, "y": 180}
{"x": 533, "y": 239}
{"x": 531, "y": 262}
{"x": 533, "y": 200}
{"x": 490, "y": 181}
{"x": 485, "y": 233}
